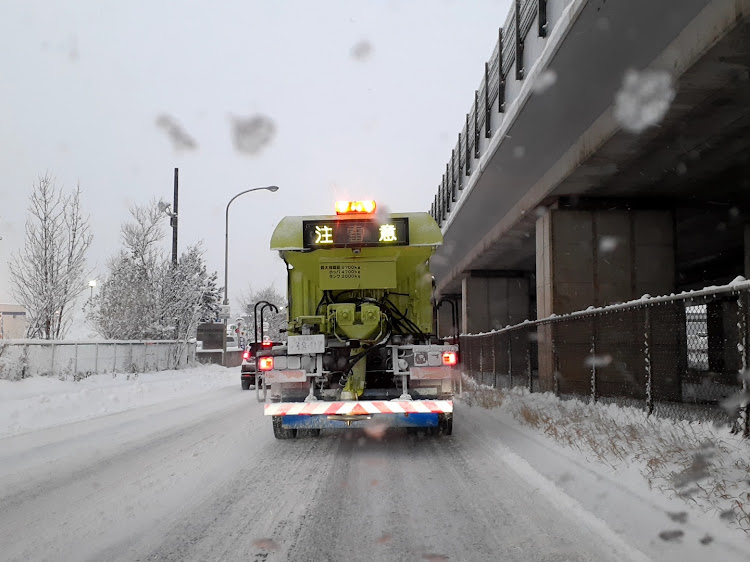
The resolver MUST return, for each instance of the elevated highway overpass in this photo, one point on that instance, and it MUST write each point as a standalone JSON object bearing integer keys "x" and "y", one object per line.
{"x": 606, "y": 155}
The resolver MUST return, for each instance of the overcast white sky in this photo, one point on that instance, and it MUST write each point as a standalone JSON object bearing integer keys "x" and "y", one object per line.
{"x": 83, "y": 83}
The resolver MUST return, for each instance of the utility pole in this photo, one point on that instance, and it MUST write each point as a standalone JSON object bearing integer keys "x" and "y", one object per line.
{"x": 173, "y": 221}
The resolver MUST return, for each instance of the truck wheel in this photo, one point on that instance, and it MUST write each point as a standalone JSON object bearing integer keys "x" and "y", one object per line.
{"x": 445, "y": 424}
{"x": 280, "y": 432}
{"x": 245, "y": 385}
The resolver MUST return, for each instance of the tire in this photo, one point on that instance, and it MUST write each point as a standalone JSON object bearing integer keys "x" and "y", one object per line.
{"x": 245, "y": 385}
{"x": 445, "y": 424}
{"x": 280, "y": 432}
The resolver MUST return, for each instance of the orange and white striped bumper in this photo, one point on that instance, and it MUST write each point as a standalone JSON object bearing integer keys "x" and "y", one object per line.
{"x": 353, "y": 408}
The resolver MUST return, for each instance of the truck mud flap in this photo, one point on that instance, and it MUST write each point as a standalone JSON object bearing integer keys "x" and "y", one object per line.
{"x": 260, "y": 380}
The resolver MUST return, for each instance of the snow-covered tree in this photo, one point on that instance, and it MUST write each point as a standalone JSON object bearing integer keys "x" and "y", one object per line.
{"x": 275, "y": 321}
{"x": 144, "y": 295}
{"x": 49, "y": 272}
{"x": 212, "y": 299}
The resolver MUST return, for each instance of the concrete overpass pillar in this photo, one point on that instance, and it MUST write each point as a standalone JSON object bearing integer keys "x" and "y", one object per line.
{"x": 595, "y": 258}
{"x": 493, "y": 300}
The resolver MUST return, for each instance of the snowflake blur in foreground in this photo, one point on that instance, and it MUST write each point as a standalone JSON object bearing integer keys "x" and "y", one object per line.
{"x": 362, "y": 51}
{"x": 180, "y": 139}
{"x": 544, "y": 81}
{"x": 644, "y": 99}
{"x": 252, "y": 134}
{"x": 608, "y": 244}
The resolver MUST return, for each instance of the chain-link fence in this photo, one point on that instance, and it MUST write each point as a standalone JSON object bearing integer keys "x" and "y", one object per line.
{"x": 25, "y": 358}
{"x": 682, "y": 356}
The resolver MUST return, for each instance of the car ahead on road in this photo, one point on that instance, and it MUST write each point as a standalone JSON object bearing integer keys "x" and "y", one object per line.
{"x": 232, "y": 343}
{"x": 248, "y": 368}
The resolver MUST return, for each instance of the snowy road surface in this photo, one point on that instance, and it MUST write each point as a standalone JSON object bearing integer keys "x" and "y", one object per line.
{"x": 202, "y": 478}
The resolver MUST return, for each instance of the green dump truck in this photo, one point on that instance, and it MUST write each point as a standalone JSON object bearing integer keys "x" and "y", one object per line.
{"x": 361, "y": 348}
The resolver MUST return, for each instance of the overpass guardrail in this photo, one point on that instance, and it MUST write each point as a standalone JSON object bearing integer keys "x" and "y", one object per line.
{"x": 681, "y": 356}
{"x": 490, "y": 97}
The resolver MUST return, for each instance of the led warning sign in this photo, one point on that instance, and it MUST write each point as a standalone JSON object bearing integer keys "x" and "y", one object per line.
{"x": 352, "y": 233}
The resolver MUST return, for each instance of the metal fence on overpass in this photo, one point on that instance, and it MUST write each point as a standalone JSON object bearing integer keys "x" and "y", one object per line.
{"x": 78, "y": 359}
{"x": 508, "y": 50}
{"x": 681, "y": 356}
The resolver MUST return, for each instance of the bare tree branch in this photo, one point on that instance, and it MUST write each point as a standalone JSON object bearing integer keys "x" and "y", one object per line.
{"x": 48, "y": 273}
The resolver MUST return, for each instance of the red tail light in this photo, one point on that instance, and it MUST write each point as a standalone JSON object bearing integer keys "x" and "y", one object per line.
{"x": 246, "y": 355}
{"x": 450, "y": 358}
{"x": 265, "y": 363}
{"x": 267, "y": 344}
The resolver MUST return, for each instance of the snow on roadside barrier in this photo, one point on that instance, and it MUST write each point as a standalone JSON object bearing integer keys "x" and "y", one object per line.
{"x": 41, "y": 402}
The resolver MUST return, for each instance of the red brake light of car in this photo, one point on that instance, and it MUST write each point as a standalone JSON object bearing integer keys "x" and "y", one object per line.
{"x": 450, "y": 358}
{"x": 361, "y": 207}
{"x": 267, "y": 344}
{"x": 265, "y": 363}
{"x": 246, "y": 355}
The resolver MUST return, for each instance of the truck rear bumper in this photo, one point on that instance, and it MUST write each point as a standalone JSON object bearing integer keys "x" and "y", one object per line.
{"x": 353, "y": 408}
{"x": 359, "y": 421}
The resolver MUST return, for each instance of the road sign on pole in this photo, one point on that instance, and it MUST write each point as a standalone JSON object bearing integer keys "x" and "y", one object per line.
{"x": 224, "y": 312}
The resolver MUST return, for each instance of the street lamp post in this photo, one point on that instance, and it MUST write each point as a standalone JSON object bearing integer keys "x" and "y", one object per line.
{"x": 271, "y": 188}
{"x": 92, "y": 284}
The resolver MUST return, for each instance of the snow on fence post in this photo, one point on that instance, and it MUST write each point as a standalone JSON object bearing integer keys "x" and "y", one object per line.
{"x": 593, "y": 363}
{"x": 52, "y": 360}
{"x": 555, "y": 360}
{"x": 96, "y": 358}
{"x": 510, "y": 360}
{"x": 75, "y": 366}
{"x": 744, "y": 411}
{"x": 529, "y": 369}
{"x": 481, "y": 361}
{"x": 494, "y": 360}
{"x": 132, "y": 364}
{"x": 647, "y": 360}
{"x": 114, "y": 357}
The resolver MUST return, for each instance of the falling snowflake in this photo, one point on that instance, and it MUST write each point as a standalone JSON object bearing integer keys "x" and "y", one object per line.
{"x": 598, "y": 360}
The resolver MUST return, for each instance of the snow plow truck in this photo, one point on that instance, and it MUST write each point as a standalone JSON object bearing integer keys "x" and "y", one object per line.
{"x": 361, "y": 347}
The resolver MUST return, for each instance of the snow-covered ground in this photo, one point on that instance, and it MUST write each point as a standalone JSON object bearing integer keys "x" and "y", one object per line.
{"x": 672, "y": 487}
{"x": 39, "y": 402}
{"x": 183, "y": 466}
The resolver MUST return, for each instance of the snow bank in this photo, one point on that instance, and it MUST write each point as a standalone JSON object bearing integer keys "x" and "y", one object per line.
{"x": 701, "y": 463}
{"x": 39, "y": 402}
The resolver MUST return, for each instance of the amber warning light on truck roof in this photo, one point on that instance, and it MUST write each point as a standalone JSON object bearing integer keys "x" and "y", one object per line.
{"x": 358, "y": 207}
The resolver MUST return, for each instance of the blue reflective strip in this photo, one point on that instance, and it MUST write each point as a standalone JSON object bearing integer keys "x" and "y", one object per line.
{"x": 391, "y": 420}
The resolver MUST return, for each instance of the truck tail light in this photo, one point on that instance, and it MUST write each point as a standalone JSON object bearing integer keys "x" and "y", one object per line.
{"x": 246, "y": 355}
{"x": 450, "y": 358}
{"x": 265, "y": 363}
